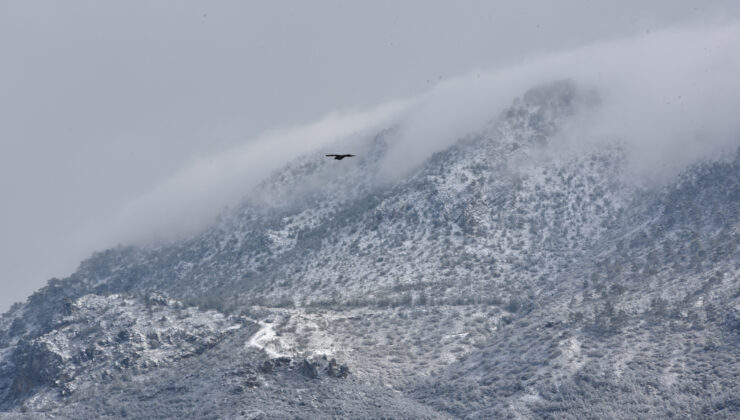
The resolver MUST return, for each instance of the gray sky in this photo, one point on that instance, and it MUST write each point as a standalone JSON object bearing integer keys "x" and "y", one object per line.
{"x": 102, "y": 103}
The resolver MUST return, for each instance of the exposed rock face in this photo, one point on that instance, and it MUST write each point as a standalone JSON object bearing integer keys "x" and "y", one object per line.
{"x": 269, "y": 366}
{"x": 37, "y": 364}
{"x": 336, "y": 370}
{"x": 309, "y": 369}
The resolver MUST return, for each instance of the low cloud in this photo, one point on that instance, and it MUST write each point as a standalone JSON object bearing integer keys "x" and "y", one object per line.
{"x": 94, "y": 113}
{"x": 670, "y": 97}
{"x": 194, "y": 196}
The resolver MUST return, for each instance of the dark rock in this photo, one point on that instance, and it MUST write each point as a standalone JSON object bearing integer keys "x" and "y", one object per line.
{"x": 268, "y": 366}
{"x": 89, "y": 353}
{"x": 125, "y": 363}
{"x": 35, "y": 365}
{"x": 123, "y": 336}
{"x": 18, "y": 327}
{"x": 68, "y": 307}
{"x": 336, "y": 370}
{"x": 309, "y": 369}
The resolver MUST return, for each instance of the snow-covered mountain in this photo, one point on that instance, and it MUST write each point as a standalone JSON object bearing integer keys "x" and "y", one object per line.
{"x": 508, "y": 275}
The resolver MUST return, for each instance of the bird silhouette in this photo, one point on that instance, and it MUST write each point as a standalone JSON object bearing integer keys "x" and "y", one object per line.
{"x": 339, "y": 157}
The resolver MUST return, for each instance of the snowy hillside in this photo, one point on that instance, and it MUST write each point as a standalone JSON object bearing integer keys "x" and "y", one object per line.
{"x": 511, "y": 274}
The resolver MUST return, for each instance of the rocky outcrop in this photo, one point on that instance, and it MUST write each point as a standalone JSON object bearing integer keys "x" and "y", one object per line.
{"x": 269, "y": 366}
{"x": 311, "y": 368}
{"x": 104, "y": 336}
{"x": 336, "y": 370}
{"x": 35, "y": 364}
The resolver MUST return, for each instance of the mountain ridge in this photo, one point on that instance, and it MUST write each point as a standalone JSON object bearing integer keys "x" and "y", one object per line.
{"x": 499, "y": 272}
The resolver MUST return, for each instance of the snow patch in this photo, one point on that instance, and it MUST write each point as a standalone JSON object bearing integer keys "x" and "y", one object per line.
{"x": 266, "y": 340}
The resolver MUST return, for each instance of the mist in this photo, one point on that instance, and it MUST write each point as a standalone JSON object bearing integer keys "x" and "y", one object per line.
{"x": 141, "y": 121}
{"x": 668, "y": 98}
{"x": 194, "y": 196}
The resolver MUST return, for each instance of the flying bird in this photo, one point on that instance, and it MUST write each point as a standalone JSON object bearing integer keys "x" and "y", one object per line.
{"x": 339, "y": 157}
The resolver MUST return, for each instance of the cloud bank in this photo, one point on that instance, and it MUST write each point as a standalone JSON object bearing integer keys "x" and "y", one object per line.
{"x": 670, "y": 97}
{"x": 194, "y": 196}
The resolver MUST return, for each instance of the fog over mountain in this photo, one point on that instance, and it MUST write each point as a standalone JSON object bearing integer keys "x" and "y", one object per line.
{"x": 552, "y": 238}
{"x": 665, "y": 96}
{"x": 102, "y": 103}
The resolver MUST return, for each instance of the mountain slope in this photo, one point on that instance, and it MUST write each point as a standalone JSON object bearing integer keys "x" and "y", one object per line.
{"x": 509, "y": 275}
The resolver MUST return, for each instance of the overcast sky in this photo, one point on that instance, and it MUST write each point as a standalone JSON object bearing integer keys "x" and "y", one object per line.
{"x": 101, "y": 103}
